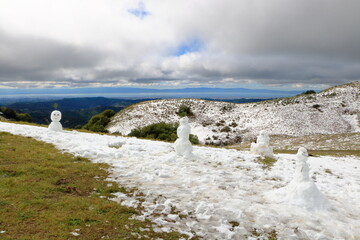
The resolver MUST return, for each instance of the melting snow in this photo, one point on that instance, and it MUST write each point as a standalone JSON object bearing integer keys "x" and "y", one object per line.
{"x": 220, "y": 193}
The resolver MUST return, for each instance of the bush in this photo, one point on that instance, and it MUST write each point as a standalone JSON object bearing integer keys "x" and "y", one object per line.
{"x": 308, "y": 92}
{"x": 233, "y": 124}
{"x": 317, "y": 106}
{"x": 225, "y": 129}
{"x": 11, "y": 114}
{"x": 24, "y": 117}
{"x": 98, "y": 122}
{"x": 184, "y": 111}
{"x": 160, "y": 131}
{"x": 194, "y": 139}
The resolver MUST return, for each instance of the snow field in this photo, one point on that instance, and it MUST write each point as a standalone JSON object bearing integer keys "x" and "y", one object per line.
{"x": 219, "y": 193}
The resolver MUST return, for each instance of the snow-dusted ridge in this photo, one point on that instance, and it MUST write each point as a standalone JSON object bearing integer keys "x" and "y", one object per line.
{"x": 220, "y": 194}
{"x": 335, "y": 110}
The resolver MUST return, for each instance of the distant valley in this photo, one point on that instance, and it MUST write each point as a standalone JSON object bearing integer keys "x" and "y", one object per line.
{"x": 77, "y": 111}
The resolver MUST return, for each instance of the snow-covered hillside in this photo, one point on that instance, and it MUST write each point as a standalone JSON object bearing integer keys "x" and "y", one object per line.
{"x": 335, "y": 110}
{"x": 220, "y": 193}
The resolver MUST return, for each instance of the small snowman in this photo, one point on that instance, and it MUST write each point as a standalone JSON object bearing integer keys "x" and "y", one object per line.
{"x": 182, "y": 145}
{"x": 302, "y": 191}
{"x": 55, "y": 125}
{"x": 261, "y": 147}
{"x": 302, "y": 168}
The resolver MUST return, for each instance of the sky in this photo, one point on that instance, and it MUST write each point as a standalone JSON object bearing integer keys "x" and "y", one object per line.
{"x": 267, "y": 44}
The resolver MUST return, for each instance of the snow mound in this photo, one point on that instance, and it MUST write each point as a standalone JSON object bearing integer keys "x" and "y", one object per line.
{"x": 301, "y": 191}
{"x": 261, "y": 147}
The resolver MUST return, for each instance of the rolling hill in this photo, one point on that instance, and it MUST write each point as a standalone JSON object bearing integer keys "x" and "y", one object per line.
{"x": 334, "y": 110}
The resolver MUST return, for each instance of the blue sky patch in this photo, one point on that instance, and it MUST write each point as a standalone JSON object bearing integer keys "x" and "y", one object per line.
{"x": 140, "y": 11}
{"x": 193, "y": 45}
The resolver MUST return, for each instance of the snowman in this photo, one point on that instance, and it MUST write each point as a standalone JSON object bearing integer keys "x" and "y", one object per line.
{"x": 55, "y": 125}
{"x": 182, "y": 145}
{"x": 302, "y": 191}
{"x": 261, "y": 147}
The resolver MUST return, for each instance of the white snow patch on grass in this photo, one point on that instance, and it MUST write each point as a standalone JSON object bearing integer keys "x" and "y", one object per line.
{"x": 218, "y": 188}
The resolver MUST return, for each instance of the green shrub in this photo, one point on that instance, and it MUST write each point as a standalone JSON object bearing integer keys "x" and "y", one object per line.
{"x": 308, "y": 92}
{"x": 24, "y": 117}
{"x": 317, "y": 106}
{"x": 11, "y": 114}
{"x": 8, "y": 113}
{"x": 184, "y": 111}
{"x": 225, "y": 129}
{"x": 98, "y": 122}
{"x": 233, "y": 124}
{"x": 160, "y": 131}
{"x": 194, "y": 139}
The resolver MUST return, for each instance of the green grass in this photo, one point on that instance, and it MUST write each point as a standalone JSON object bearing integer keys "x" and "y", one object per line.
{"x": 46, "y": 194}
{"x": 316, "y": 153}
{"x": 267, "y": 162}
{"x": 339, "y": 145}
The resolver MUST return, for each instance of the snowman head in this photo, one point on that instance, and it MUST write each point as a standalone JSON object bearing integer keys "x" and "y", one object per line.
{"x": 184, "y": 120}
{"x": 55, "y": 116}
{"x": 302, "y": 153}
{"x": 263, "y": 133}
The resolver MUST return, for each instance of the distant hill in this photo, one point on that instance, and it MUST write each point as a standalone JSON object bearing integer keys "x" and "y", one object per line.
{"x": 113, "y": 92}
{"x": 334, "y": 110}
{"x": 75, "y": 111}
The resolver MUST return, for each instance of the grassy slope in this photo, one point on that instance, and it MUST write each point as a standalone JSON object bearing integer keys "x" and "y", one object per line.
{"x": 46, "y": 195}
{"x": 343, "y": 144}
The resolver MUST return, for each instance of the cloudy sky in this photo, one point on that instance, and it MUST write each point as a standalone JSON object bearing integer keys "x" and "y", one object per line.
{"x": 276, "y": 44}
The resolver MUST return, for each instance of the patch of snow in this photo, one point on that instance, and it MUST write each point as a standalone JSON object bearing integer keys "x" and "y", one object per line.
{"x": 354, "y": 122}
{"x": 218, "y": 187}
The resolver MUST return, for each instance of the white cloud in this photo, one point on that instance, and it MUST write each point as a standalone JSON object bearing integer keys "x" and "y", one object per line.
{"x": 92, "y": 42}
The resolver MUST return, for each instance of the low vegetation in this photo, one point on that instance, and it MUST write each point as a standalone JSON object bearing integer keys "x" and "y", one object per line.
{"x": 225, "y": 129}
{"x": 11, "y": 114}
{"x": 267, "y": 162}
{"x": 160, "y": 131}
{"x": 98, "y": 122}
{"x": 308, "y": 92}
{"x": 185, "y": 110}
{"x": 46, "y": 194}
